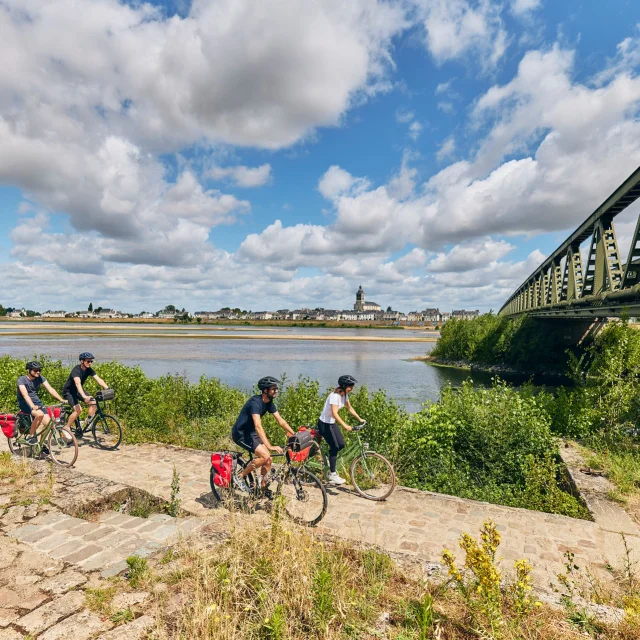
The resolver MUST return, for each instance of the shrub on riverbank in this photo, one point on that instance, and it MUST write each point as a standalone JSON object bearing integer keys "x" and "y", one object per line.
{"x": 526, "y": 344}
{"x": 488, "y": 444}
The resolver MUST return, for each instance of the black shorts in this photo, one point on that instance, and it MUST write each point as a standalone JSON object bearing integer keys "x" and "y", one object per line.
{"x": 71, "y": 397}
{"x": 248, "y": 441}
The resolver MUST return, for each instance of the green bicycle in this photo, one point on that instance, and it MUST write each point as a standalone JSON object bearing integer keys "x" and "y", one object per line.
{"x": 54, "y": 440}
{"x": 371, "y": 474}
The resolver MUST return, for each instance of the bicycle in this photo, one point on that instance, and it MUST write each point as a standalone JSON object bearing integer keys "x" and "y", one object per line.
{"x": 62, "y": 446}
{"x": 105, "y": 428}
{"x": 301, "y": 493}
{"x": 371, "y": 474}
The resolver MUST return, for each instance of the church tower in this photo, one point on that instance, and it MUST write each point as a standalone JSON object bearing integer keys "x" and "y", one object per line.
{"x": 359, "y": 305}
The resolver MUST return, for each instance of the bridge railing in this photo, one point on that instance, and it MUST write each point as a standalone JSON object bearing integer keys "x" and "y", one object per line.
{"x": 563, "y": 286}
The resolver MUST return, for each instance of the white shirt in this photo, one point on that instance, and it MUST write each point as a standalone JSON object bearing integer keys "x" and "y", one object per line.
{"x": 334, "y": 398}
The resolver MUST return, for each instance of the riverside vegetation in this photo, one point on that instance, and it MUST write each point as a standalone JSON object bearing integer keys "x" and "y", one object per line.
{"x": 600, "y": 408}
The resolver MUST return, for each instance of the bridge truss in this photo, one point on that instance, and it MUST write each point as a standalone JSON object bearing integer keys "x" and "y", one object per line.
{"x": 603, "y": 286}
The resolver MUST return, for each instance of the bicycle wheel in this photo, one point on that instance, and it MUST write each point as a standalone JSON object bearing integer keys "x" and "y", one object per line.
{"x": 20, "y": 448}
{"x": 107, "y": 431}
{"x": 372, "y": 476}
{"x": 305, "y": 499}
{"x": 63, "y": 446}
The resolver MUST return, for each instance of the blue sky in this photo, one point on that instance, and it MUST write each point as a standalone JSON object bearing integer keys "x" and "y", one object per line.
{"x": 214, "y": 153}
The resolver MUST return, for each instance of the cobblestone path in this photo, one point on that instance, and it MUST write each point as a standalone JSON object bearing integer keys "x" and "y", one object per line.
{"x": 411, "y": 522}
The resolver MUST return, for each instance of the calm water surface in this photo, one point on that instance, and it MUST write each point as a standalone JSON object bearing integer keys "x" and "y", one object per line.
{"x": 379, "y": 365}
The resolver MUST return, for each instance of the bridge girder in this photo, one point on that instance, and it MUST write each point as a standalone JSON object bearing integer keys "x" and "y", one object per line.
{"x": 562, "y": 287}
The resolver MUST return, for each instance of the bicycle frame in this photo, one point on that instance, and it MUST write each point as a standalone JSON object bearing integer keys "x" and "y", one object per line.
{"x": 345, "y": 457}
{"x": 40, "y": 435}
{"x": 88, "y": 423}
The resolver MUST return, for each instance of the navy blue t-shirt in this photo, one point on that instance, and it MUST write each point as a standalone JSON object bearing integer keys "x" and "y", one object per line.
{"x": 77, "y": 372}
{"x": 253, "y": 406}
{"x": 33, "y": 386}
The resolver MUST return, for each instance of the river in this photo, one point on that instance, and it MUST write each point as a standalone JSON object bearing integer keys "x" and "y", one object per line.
{"x": 239, "y": 356}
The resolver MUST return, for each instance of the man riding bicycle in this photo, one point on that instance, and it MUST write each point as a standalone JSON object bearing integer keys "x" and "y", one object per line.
{"x": 329, "y": 423}
{"x": 29, "y": 401}
{"x": 249, "y": 433}
{"x": 73, "y": 389}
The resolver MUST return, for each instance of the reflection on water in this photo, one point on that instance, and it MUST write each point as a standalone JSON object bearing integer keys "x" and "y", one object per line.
{"x": 379, "y": 365}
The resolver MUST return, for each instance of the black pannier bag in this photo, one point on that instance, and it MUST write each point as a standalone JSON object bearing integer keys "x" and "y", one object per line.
{"x": 300, "y": 441}
{"x": 106, "y": 394}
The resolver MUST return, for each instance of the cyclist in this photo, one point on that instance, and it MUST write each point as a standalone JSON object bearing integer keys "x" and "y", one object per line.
{"x": 249, "y": 434}
{"x": 73, "y": 389}
{"x": 28, "y": 400}
{"x": 329, "y": 423}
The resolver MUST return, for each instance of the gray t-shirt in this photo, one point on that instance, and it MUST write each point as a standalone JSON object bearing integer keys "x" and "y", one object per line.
{"x": 32, "y": 389}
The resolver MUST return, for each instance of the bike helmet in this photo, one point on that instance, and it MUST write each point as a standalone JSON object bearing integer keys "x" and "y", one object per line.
{"x": 267, "y": 382}
{"x": 346, "y": 381}
{"x": 34, "y": 365}
{"x": 85, "y": 355}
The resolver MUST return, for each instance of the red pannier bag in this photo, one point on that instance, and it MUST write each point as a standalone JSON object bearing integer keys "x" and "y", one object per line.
{"x": 301, "y": 445}
{"x": 54, "y": 412}
{"x": 8, "y": 424}
{"x": 223, "y": 466}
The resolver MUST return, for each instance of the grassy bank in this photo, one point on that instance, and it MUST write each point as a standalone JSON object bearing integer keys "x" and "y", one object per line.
{"x": 489, "y": 444}
{"x": 281, "y": 583}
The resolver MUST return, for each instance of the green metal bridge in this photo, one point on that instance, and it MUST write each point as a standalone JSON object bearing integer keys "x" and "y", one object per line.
{"x": 605, "y": 286}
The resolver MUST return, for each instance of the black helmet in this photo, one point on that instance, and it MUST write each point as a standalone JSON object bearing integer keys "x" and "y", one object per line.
{"x": 346, "y": 381}
{"x": 34, "y": 364}
{"x": 85, "y": 355}
{"x": 268, "y": 381}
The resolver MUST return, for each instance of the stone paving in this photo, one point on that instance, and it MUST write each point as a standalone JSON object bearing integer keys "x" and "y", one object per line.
{"x": 410, "y": 522}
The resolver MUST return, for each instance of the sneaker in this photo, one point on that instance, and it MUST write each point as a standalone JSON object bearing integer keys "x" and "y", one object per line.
{"x": 44, "y": 451}
{"x": 241, "y": 485}
{"x": 334, "y": 478}
{"x": 32, "y": 440}
{"x": 78, "y": 432}
{"x": 266, "y": 493}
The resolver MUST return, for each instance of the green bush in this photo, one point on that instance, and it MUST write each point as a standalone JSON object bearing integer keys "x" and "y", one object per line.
{"x": 487, "y": 444}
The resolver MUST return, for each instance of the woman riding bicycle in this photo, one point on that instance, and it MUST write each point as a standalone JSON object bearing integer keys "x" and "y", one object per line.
{"x": 329, "y": 423}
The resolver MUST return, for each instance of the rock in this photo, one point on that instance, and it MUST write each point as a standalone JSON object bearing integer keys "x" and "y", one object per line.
{"x": 63, "y": 582}
{"x": 47, "y": 615}
{"x": 125, "y": 600}
{"x": 80, "y": 626}
{"x": 132, "y": 631}
{"x": 7, "y": 617}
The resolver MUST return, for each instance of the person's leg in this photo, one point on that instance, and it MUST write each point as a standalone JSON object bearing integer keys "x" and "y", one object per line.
{"x": 77, "y": 410}
{"x": 37, "y": 418}
{"x": 93, "y": 407}
{"x": 262, "y": 458}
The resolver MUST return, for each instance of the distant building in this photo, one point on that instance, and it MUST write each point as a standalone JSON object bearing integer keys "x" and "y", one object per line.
{"x": 108, "y": 313}
{"x": 17, "y": 314}
{"x": 54, "y": 314}
{"x": 463, "y": 314}
{"x": 145, "y": 315}
{"x": 362, "y": 305}
{"x": 431, "y": 315}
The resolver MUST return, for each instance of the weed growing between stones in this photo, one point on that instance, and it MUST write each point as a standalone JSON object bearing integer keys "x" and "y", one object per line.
{"x": 99, "y": 599}
{"x": 173, "y": 506}
{"x": 138, "y": 572}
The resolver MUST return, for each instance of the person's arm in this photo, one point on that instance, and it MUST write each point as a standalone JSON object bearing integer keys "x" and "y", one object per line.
{"x": 100, "y": 381}
{"x": 257, "y": 423}
{"x": 25, "y": 395}
{"x": 53, "y": 392}
{"x": 338, "y": 419}
{"x": 352, "y": 411}
{"x": 283, "y": 423}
